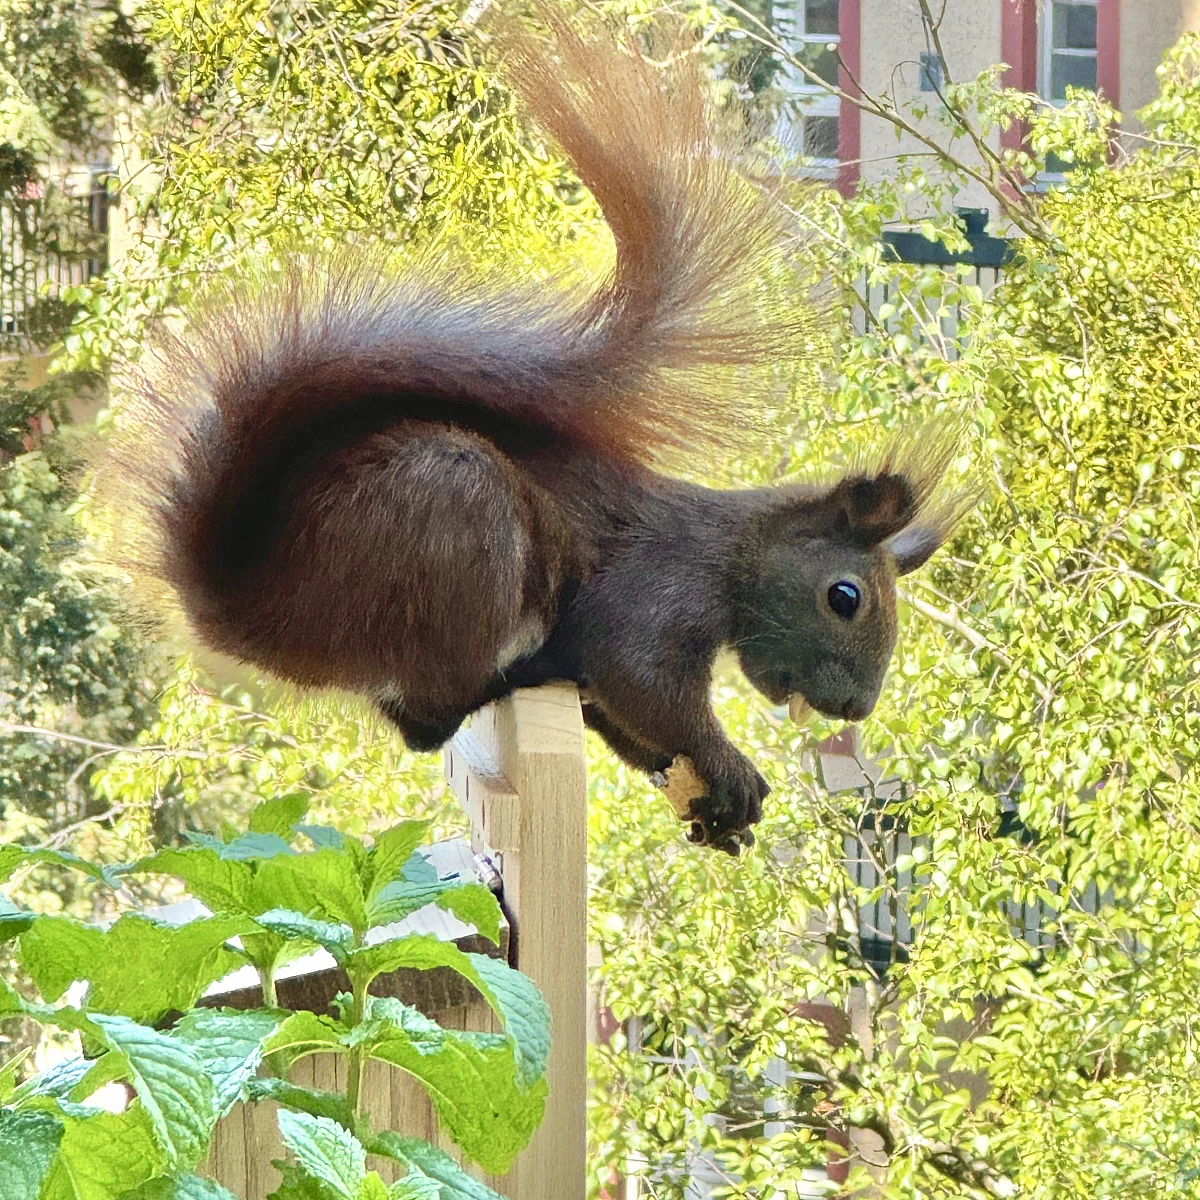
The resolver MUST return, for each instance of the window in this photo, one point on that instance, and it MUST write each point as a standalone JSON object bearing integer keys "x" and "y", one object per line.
{"x": 1069, "y": 55}
{"x": 932, "y": 74}
{"x": 1069, "y": 58}
{"x": 811, "y": 125}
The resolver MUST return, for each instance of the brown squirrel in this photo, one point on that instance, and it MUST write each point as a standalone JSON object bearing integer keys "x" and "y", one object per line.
{"x": 432, "y": 490}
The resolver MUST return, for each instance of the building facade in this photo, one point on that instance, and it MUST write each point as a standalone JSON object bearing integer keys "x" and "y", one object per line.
{"x": 1111, "y": 46}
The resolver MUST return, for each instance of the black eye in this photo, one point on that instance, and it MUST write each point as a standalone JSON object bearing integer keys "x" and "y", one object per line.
{"x": 844, "y": 599}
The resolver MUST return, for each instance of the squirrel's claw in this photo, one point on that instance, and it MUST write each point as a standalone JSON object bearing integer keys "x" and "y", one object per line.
{"x": 727, "y": 841}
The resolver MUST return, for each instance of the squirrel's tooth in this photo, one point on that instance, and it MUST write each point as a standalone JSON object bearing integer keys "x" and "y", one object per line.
{"x": 799, "y": 709}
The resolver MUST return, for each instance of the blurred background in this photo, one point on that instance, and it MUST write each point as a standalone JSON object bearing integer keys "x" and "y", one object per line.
{"x": 964, "y": 959}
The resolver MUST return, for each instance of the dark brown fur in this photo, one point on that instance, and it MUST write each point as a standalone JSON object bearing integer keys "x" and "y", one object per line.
{"x": 433, "y": 490}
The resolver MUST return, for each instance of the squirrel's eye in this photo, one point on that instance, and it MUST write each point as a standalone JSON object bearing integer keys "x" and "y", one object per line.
{"x": 844, "y": 599}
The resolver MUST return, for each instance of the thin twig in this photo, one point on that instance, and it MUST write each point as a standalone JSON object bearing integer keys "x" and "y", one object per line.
{"x": 11, "y": 727}
{"x": 952, "y": 621}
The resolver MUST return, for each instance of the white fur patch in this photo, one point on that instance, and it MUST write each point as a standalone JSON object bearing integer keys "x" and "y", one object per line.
{"x": 530, "y": 636}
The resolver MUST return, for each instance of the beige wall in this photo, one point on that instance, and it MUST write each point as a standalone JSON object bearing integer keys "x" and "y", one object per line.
{"x": 1148, "y": 28}
{"x": 892, "y": 42}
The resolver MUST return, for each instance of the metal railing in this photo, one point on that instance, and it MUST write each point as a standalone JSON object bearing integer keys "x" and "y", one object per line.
{"x": 47, "y": 243}
{"x": 885, "y": 914}
{"x": 892, "y": 303}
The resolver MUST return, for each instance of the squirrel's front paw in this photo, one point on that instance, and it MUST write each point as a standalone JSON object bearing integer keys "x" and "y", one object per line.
{"x": 722, "y": 818}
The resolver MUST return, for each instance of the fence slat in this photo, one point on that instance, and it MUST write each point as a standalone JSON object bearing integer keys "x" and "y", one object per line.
{"x": 525, "y": 790}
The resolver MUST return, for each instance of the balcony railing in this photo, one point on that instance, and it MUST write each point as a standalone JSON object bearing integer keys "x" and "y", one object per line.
{"x": 47, "y": 243}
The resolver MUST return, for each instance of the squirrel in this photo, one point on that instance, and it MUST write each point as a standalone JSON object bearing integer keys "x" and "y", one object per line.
{"x": 432, "y": 490}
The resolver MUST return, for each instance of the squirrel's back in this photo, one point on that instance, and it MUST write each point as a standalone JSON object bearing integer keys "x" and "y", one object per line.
{"x": 633, "y": 367}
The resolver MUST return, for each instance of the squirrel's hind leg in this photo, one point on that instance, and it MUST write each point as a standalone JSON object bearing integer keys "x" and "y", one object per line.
{"x": 422, "y": 734}
{"x": 427, "y": 538}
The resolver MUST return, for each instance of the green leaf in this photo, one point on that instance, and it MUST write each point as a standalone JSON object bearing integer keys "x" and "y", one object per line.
{"x": 470, "y": 902}
{"x": 11, "y": 1001}
{"x": 172, "y": 1084}
{"x": 323, "y": 884}
{"x": 335, "y": 937}
{"x": 512, "y": 996}
{"x": 250, "y": 847}
{"x": 13, "y": 920}
{"x": 8, "y": 1074}
{"x": 230, "y": 1044}
{"x": 415, "y": 1187}
{"x": 139, "y": 968}
{"x": 475, "y": 904}
{"x": 102, "y": 1154}
{"x": 57, "y": 1081}
{"x": 106, "y": 1069}
{"x": 422, "y": 1158}
{"x": 180, "y": 1187}
{"x": 325, "y": 1150}
{"x": 331, "y": 1105}
{"x": 205, "y": 841}
{"x": 56, "y": 951}
{"x": 391, "y": 851}
{"x": 28, "y": 1145}
{"x": 417, "y": 884}
{"x": 239, "y": 879}
{"x": 221, "y": 885}
{"x": 373, "y": 1188}
{"x": 12, "y": 857}
{"x": 297, "y": 1185}
{"x": 322, "y": 837}
{"x": 471, "y": 1079}
{"x": 523, "y": 1009}
{"x": 305, "y": 1033}
{"x": 280, "y": 815}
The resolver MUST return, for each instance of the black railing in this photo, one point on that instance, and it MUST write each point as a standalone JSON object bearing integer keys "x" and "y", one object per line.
{"x": 892, "y": 302}
{"x": 982, "y": 250}
{"x": 47, "y": 243}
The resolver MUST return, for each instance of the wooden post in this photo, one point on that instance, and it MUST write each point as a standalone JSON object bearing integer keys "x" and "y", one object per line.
{"x": 520, "y": 773}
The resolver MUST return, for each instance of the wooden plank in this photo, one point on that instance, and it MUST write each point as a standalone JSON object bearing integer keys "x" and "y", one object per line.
{"x": 263, "y": 1146}
{"x": 488, "y": 798}
{"x": 411, "y": 1109}
{"x": 377, "y": 1097}
{"x": 538, "y": 828}
{"x": 227, "y": 1157}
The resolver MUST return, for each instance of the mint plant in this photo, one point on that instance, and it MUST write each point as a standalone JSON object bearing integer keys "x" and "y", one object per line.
{"x": 274, "y": 892}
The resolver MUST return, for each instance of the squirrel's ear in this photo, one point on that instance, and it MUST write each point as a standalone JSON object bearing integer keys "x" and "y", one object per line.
{"x": 914, "y": 545}
{"x": 868, "y": 510}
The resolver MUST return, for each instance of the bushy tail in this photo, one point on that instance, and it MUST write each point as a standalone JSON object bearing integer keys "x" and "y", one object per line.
{"x": 684, "y": 301}
{"x": 639, "y": 365}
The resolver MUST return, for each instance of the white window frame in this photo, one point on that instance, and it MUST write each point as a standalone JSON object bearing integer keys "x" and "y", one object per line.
{"x": 1047, "y": 180}
{"x": 1046, "y": 66}
{"x": 813, "y": 100}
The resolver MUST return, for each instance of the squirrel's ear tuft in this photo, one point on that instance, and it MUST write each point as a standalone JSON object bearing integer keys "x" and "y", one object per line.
{"x": 868, "y": 510}
{"x": 900, "y": 499}
{"x": 914, "y": 545}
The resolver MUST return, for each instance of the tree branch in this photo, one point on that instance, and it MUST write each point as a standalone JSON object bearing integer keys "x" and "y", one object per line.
{"x": 952, "y": 621}
{"x": 13, "y": 727}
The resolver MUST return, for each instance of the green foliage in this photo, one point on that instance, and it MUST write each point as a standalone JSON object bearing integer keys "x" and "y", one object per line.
{"x": 186, "y": 1066}
{"x": 1046, "y": 683}
{"x": 62, "y": 65}
{"x": 69, "y": 663}
{"x": 402, "y": 136}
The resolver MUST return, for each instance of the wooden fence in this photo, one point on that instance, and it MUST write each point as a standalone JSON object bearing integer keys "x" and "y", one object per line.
{"x": 519, "y": 771}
